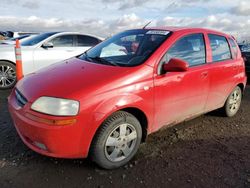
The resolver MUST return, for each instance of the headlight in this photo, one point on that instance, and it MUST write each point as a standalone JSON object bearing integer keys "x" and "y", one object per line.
{"x": 56, "y": 106}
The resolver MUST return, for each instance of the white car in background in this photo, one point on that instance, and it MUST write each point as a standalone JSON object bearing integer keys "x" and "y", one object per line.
{"x": 42, "y": 50}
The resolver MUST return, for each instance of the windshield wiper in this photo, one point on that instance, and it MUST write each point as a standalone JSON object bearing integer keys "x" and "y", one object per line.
{"x": 99, "y": 60}
{"x": 87, "y": 57}
{"x": 102, "y": 60}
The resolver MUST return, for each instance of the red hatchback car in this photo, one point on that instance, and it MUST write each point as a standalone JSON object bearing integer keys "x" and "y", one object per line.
{"x": 106, "y": 101}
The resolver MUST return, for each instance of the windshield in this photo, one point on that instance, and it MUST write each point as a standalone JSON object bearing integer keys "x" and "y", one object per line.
{"x": 35, "y": 40}
{"x": 129, "y": 48}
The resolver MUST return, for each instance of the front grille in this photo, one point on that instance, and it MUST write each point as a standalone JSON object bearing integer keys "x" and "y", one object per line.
{"x": 21, "y": 100}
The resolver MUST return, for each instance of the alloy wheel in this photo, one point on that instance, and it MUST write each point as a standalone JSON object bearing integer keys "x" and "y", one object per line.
{"x": 7, "y": 76}
{"x": 121, "y": 142}
{"x": 235, "y": 101}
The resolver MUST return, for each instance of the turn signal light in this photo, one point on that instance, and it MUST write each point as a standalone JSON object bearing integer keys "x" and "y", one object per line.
{"x": 62, "y": 122}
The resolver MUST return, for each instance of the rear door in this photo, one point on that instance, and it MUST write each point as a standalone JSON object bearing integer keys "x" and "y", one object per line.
{"x": 223, "y": 71}
{"x": 179, "y": 95}
{"x": 63, "y": 48}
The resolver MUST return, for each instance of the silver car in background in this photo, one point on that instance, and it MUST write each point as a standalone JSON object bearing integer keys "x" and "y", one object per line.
{"x": 42, "y": 50}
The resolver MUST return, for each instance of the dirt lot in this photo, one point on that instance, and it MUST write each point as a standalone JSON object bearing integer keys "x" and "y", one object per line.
{"x": 209, "y": 151}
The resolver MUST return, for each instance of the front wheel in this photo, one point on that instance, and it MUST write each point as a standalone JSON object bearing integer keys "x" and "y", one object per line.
{"x": 233, "y": 102}
{"x": 117, "y": 140}
{"x": 7, "y": 75}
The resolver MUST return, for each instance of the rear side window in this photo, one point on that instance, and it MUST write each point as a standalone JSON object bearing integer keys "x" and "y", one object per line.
{"x": 220, "y": 48}
{"x": 234, "y": 48}
{"x": 190, "y": 48}
{"x": 86, "y": 41}
{"x": 63, "y": 41}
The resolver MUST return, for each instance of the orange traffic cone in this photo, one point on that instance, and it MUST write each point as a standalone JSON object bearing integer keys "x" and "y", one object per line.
{"x": 19, "y": 67}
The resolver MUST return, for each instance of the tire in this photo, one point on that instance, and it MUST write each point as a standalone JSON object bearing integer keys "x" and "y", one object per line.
{"x": 117, "y": 140}
{"x": 233, "y": 102}
{"x": 7, "y": 75}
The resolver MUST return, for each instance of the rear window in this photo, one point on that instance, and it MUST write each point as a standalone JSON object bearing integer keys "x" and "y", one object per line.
{"x": 86, "y": 41}
{"x": 220, "y": 48}
{"x": 234, "y": 48}
{"x": 63, "y": 41}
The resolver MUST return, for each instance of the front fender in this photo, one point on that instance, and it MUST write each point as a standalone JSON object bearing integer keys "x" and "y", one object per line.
{"x": 108, "y": 107}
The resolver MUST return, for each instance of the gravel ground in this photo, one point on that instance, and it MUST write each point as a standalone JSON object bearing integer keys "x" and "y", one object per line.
{"x": 209, "y": 151}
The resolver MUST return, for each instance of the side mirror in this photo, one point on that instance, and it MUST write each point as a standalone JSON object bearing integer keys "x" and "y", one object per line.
{"x": 176, "y": 65}
{"x": 47, "y": 45}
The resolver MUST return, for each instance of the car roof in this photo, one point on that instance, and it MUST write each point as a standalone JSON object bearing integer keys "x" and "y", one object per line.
{"x": 74, "y": 33}
{"x": 190, "y": 29}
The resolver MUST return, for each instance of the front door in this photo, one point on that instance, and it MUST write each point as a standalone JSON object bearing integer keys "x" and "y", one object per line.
{"x": 179, "y": 95}
{"x": 63, "y": 48}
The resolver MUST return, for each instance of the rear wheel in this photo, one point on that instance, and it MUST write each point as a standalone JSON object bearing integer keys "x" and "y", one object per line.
{"x": 7, "y": 75}
{"x": 117, "y": 141}
{"x": 233, "y": 102}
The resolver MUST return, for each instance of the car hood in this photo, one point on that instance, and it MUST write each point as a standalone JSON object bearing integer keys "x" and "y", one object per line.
{"x": 72, "y": 79}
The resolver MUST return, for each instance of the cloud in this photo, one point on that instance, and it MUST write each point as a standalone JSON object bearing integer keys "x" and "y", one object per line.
{"x": 105, "y": 28}
{"x": 106, "y": 17}
{"x": 221, "y": 22}
{"x": 242, "y": 9}
{"x": 133, "y": 4}
{"x": 123, "y": 5}
{"x": 31, "y": 4}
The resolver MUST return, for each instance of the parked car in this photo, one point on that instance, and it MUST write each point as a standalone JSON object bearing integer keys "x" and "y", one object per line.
{"x": 41, "y": 51}
{"x": 245, "y": 50}
{"x": 14, "y": 34}
{"x": 105, "y": 102}
{"x": 21, "y": 33}
{"x": 6, "y": 34}
{"x": 2, "y": 36}
{"x": 13, "y": 40}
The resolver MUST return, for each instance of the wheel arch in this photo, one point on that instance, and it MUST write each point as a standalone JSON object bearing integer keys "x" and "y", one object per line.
{"x": 142, "y": 118}
{"x": 242, "y": 87}
{"x": 138, "y": 113}
{"x": 8, "y": 61}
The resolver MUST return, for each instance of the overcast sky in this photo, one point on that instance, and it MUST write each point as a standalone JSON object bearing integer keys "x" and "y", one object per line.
{"x": 106, "y": 17}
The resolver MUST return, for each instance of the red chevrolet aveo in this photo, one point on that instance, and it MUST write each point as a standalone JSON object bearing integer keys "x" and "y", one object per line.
{"x": 105, "y": 102}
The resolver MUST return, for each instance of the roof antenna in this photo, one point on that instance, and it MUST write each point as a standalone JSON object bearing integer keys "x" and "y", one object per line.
{"x": 147, "y": 24}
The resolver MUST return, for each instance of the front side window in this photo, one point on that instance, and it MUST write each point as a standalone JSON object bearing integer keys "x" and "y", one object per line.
{"x": 190, "y": 48}
{"x": 37, "y": 39}
{"x": 63, "y": 41}
{"x": 129, "y": 48}
{"x": 220, "y": 48}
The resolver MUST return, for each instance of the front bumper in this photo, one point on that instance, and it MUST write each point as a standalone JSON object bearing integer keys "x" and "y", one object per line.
{"x": 55, "y": 141}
